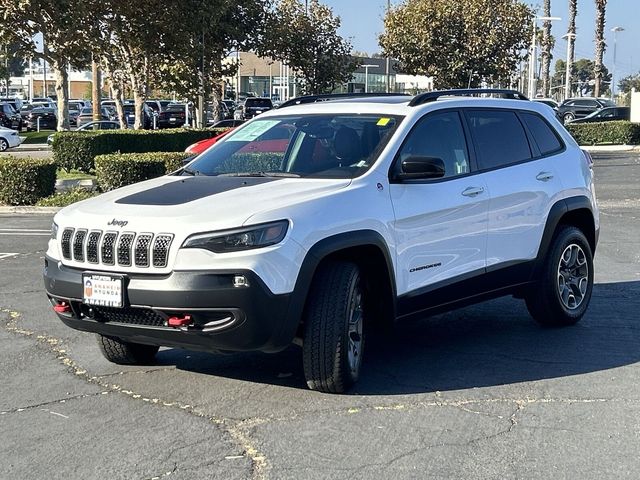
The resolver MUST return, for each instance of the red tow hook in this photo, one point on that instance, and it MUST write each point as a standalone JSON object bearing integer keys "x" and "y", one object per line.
{"x": 177, "y": 322}
{"x": 62, "y": 307}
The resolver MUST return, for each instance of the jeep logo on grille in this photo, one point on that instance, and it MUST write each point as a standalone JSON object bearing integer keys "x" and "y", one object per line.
{"x": 118, "y": 223}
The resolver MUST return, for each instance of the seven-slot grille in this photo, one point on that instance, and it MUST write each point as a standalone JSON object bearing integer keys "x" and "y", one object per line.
{"x": 110, "y": 248}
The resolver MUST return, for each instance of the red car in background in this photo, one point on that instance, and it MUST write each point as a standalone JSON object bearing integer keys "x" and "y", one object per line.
{"x": 267, "y": 145}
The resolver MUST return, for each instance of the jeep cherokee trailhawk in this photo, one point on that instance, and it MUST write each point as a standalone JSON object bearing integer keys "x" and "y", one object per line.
{"x": 312, "y": 222}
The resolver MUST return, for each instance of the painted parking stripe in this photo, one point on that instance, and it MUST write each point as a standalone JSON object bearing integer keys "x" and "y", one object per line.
{"x": 8, "y": 255}
{"x": 25, "y": 232}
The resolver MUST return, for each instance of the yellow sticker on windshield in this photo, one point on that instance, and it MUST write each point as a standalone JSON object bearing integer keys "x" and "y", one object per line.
{"x": 383, "y": 122}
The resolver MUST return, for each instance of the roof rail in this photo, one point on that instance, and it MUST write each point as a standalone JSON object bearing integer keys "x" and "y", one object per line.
{"x": 464, "y": 92}
{"x": 334, "y": 96}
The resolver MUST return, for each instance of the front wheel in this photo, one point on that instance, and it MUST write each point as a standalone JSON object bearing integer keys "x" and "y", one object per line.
{"x": 568, "y": 117}
{"x": 4, "y": 145}
{"x": 126, "y": 353}
{"x": 564, "y": 289}
{"x": 333, "y": 328}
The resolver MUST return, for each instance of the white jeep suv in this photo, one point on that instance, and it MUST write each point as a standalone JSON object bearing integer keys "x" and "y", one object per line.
{"x": 312, "y": 222}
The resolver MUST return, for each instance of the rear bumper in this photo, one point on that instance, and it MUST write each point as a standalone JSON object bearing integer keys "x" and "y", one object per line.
{"x": 225, "y": 318}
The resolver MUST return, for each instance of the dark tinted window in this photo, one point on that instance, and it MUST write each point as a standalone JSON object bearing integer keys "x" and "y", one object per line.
{"x": 439, "y": 135}
{"x": 543, "y": 134}
{"x": 499, "y": 138}
{"x": 586, "y": 103}
{"x": 258, "y": 103}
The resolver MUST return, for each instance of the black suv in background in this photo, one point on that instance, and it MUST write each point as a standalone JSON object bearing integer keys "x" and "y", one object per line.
{"x": 573, "y": 108}
{"x": 607, "y": 114}
{"x": 254, "y": 106}
{"x": 9, "y": 117}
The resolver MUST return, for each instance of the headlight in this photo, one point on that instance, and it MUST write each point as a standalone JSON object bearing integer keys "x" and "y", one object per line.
{"x": 54, "y": 230}
{"x": 256, "y": 236}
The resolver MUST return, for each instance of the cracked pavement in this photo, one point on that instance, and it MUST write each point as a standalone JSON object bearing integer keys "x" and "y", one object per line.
{"x": 481, "y": 392}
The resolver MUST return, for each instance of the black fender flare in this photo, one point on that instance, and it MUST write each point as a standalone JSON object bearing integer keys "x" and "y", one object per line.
{"x": 316, "y": 254}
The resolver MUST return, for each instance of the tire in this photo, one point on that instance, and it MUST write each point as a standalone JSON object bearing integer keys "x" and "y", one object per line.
{"x": 562, "y": 294}
{"x": 125, "y": 353}
{"x": 4, "y": 145}
{"x": 567, "y": 117}
{"x": 333, "y": 328}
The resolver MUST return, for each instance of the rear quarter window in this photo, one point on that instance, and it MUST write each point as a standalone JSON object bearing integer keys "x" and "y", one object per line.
{"x": 543, "y": 134}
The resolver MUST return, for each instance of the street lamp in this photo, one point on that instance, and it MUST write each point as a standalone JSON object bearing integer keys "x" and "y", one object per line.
{"x": 366, "y": 76}
{"x": 532, "y": 60}
{"x": 567, "y": 76}
{"x": 388, "y": 61}
{"x": 615, "y": 31}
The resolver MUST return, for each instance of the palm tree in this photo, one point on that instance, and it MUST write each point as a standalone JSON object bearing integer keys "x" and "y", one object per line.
{"x": 547, "y": 44}
{"x": 571, "y": 38}
{"x": 601, "y": 8}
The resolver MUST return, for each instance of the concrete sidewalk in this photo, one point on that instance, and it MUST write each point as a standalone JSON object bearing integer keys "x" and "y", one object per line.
{"x": 32, "y": 147}
{"x": 611, "y": 148}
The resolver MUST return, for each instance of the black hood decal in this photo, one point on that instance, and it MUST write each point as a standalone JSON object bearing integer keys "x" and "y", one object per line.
{"x": 191, "y": 188}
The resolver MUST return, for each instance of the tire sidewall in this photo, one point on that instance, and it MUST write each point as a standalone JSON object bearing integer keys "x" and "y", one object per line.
{"x": 355, "y": 286}
{"x": 4, "y": 145}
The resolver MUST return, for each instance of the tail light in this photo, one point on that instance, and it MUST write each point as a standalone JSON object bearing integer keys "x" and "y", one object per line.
{"x": 587, "y": 158}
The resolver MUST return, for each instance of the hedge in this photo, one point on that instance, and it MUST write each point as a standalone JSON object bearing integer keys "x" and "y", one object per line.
{"x": 62, "y": 199}
{"x": 119, "y": 169}
{"x": 616, "y": 133}
{"x": 24, "y": 181}
{"x": 77, "y": 150}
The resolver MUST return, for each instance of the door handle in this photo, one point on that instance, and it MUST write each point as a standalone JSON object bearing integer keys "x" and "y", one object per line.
{"x": 544, "y": 176}
{"x": 473, "y": 191}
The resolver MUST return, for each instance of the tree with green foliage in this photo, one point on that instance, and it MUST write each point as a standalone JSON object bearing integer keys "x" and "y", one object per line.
{"x": 583, "y": 73}
{"x": 308, "y": 41}
{"x": 65, "y": 26}
{"x": 458, "y": 42}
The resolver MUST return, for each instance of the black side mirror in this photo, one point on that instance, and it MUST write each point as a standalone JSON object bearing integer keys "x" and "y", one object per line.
{"x": 417, "y": 167}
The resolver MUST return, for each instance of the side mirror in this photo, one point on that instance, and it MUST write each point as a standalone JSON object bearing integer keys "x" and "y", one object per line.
{"x": 417, "y": 167}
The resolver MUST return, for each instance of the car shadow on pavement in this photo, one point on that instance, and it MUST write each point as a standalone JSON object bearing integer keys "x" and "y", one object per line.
{"x": 494, "y": 343}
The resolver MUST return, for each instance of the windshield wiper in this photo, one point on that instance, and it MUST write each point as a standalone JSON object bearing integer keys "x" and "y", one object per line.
{"x": 260, "y": 174}
{"x": 193, "y": 173}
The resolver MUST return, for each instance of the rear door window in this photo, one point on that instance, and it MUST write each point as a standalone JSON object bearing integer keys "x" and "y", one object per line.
{"x": 543, "y": 134}
{"x": 499, "y": 138}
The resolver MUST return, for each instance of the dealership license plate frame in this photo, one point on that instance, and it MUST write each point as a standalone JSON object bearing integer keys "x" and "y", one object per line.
{"x": 107, "y": 290}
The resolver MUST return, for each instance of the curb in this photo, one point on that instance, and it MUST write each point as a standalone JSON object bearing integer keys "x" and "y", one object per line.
{"x": 32, "y": 147}
{"x": 611, "y": 148}
{"x": 28, "y": 210}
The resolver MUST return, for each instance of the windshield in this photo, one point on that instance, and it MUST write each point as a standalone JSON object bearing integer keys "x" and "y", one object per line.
{"x": 319, "y": 146}
{"x": 258, "y": 103}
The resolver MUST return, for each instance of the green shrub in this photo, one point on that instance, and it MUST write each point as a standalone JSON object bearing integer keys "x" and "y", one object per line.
{"x": 616, "y": 133}
{"x": 77, "y": 150}
{"x": 119, "y": 169}
{"x": 24, "y": 181}
{"x": 62, "y": 199}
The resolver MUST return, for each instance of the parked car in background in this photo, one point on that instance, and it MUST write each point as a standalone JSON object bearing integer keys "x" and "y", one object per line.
{"x": 42, "y": 100}
{"x": 9, "y": 117}
{"x": 254, "y": 106}
{"x": 73, "y": 117}
{"x": 607, "y": 114}
{"x": 92, "y": 126}
{"x": 173, "y": 116}
{"x": 573, "y": 108}
{"x": 231, "y": 105}
{"x": 48, "y": 119}
{"x": 130, "y": 115}
{"x": 78, "y": 104}
{"x": 547, "y": 101}
{"x": 16, "y": 103}
{"x": 86, "y": 115}
{"x": 9, "y": 138}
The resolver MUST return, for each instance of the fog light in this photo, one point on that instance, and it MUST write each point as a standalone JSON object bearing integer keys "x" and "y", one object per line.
{"x": 240, "y": 281}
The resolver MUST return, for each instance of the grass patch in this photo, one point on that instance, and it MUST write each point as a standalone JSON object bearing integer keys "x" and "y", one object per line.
{"x": 61, "y": 174}
{"x": 63, "y": 199}
{"x": 36, "y": 137}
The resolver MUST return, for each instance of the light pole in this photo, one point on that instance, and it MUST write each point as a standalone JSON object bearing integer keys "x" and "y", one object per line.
{"x": 388, "y": 64}
{"x": 615, "y": 31}
{"x": 366, "y": 76}
{"x": 532, "y": 60}
{"x": 567, "y": 74}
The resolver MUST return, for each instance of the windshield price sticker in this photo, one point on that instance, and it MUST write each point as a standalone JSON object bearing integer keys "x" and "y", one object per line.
{"x": 252, "y": 131}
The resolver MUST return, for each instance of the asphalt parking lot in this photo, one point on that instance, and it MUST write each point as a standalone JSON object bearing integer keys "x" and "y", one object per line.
{"x": 481, "y": 392}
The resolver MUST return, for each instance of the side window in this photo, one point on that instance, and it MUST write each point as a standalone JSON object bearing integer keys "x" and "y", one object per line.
{"x": 499, "y": 138}
{"x": 439, "y": 135}
{"x": 542, "y": 133}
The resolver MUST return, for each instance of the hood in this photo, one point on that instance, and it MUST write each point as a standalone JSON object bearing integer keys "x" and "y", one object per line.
{"x": 185, "y": 205}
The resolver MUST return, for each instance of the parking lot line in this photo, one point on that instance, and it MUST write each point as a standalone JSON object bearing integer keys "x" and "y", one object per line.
{"x": 28, "y": 232}
{"x": 8, "y": 255}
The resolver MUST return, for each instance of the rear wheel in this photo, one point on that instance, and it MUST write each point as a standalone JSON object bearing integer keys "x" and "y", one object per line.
{"x": 126, "y": 353}
{"x": 333, "y": 331}
{"x": 566, "y": 281}
{"x": 3, "y": 145}
{"x": 568, "y": 117}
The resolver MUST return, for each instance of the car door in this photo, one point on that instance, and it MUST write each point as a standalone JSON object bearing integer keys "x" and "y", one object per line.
{"x": 584, "y": 107}
{"x": 440, "y": 225}
{"x": 518, "y": 151}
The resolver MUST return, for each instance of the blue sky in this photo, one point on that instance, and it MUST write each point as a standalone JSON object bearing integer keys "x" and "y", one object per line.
{"x": 362, "y": 22}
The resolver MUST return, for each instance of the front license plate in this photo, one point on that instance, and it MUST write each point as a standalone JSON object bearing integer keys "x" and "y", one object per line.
{"x": 102, "y": 290}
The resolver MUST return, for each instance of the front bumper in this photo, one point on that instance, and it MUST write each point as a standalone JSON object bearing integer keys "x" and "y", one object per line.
{"x": 225, "y": 317}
